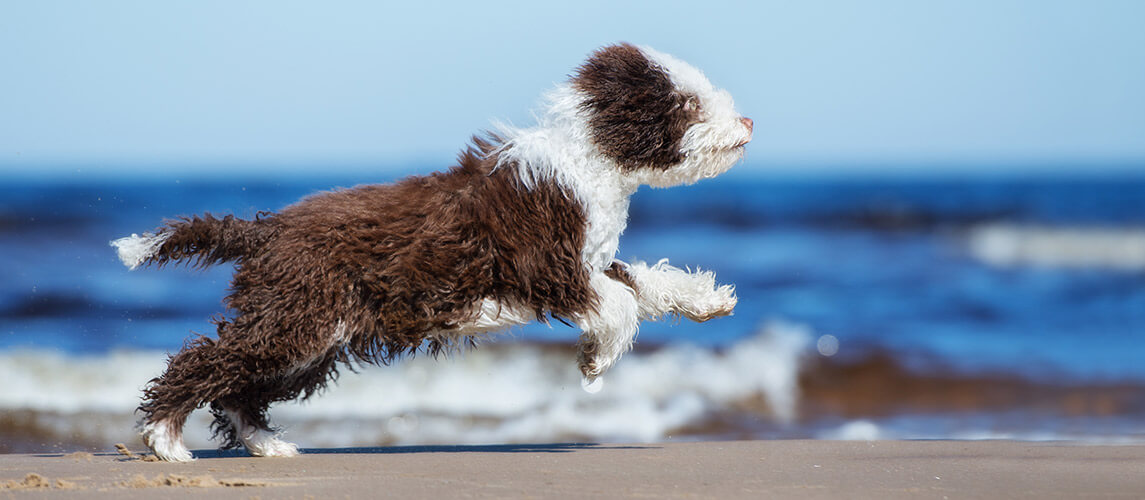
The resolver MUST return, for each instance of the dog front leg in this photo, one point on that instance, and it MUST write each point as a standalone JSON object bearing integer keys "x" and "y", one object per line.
{"x": 663, "y": 289}
{"x": 608, "y": 330}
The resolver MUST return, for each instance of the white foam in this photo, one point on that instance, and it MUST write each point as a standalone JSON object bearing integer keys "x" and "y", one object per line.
{"x": 827, "y": 345}
{"x": 959, "y": 427}
{"x": 1045, "y": 436}
{"x": 856, "y": 430}
{"x": 1059, "y": 247}
{"x": 52, "y": 381}
{"x": 592, "y": 386}
{"x": 513, "y": 392}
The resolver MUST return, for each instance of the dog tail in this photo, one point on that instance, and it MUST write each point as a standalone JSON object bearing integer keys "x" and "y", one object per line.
{"x": 204, "y": 239}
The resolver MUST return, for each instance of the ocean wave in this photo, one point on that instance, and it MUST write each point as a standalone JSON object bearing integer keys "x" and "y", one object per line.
{"x": 1002, "y": 245}
{"x": 972, "y": 428}
{"x": 783, "y": 382}
{"x": 497, "y": 393}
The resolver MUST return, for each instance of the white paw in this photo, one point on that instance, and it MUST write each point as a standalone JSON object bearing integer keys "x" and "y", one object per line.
{"x": 594, "y": 359}
{"x": 720, "y": 302}
{"x": 164, "y": 443}
{"x": 262, "y": 443}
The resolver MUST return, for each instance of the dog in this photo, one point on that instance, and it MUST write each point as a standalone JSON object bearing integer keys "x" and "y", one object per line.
{"x": 524, "y": 228}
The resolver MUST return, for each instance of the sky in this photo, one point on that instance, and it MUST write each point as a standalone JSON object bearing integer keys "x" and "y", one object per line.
{"x": 278, "y": 86}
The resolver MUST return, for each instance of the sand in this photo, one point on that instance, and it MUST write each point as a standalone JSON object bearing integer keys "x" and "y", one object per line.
{"x": 738, "y": 469}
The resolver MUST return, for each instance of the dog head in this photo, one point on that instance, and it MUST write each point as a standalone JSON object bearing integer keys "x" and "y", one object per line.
{"x": 657, "y": 117}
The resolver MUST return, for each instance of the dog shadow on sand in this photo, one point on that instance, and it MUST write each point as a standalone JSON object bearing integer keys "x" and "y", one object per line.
{"x": 484, "y": 448}
{"x": 127, "y": 455}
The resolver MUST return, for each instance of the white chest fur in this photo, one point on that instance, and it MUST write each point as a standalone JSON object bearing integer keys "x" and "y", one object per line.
{"x": 560, "y": 149}
{"x": 607, "y": 216}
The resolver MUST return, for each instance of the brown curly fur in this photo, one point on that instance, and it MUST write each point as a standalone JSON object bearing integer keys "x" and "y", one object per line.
{"x": 367, "y": 274}
{"x": 636, "y": 114}
{"x": 397, "y": 266}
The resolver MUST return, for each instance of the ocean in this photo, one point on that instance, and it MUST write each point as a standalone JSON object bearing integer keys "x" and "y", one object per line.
{"x": 869, "y": 308}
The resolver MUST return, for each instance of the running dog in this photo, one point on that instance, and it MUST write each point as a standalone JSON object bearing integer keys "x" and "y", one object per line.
{"x": 524, "y": 228}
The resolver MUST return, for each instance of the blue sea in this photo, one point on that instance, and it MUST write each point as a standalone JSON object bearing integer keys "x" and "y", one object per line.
{"x": 869, "y": 308}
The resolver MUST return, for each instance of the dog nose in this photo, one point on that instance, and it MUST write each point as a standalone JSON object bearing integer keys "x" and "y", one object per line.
{"x": 747, "y": 123}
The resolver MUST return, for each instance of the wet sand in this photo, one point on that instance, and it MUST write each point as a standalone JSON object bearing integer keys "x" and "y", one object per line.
{"x": 738, "y": 469}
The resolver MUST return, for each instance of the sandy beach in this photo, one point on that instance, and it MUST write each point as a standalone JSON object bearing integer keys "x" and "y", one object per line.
{"x": 737, "y": 469}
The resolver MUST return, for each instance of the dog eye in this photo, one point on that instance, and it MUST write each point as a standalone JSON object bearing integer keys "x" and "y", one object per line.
{"x": 692, "y": 105}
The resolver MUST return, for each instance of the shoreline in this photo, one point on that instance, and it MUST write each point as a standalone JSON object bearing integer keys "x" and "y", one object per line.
{"x": 763, "y": 387}
{"x": 732, "y": 469}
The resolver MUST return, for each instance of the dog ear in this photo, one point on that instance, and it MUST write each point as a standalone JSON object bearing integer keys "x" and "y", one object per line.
{"x": 636, "y": 116}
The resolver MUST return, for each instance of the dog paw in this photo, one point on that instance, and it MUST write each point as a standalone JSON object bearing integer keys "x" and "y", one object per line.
{"x": 587, "y": 350}
{"x": 589, "y": 369}
{"x": 263, "y": 443}
{"x": 275, "y": 448}
{"x": 165, "y": 444}
{"x": 721, "y": 302}
{"x": 594, "y": 359}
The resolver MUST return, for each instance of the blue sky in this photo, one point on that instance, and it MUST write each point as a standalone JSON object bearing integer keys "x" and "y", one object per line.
{"x": 273, "y": 86}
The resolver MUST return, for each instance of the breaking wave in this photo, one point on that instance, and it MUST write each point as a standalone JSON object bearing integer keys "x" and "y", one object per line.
{"x": 1120, "y": 249}
{"x": 778, "y": 383}
{"x": 498, "y": 393}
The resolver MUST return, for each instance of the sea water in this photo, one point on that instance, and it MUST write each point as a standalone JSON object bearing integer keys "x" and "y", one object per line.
{"x": 868, "y": 308}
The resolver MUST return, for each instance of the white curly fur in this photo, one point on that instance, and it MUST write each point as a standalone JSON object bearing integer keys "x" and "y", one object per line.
{"x": 135, "y": 249}
{"x": 664, "y": 290}
{"x": 166, "y": 445}
{"x": 260, "y": 442}
{"x": 560, "y": 149}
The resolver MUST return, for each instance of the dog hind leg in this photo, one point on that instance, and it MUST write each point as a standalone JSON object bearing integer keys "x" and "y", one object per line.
{"x": 248, "y": 426}
{"x": 165, "y": 439}
{"x": 240, "y": 416}
{"x": 189, "y": 381}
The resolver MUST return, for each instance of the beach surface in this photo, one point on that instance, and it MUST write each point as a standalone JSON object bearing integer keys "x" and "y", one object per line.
{"x": 736, "y": 469}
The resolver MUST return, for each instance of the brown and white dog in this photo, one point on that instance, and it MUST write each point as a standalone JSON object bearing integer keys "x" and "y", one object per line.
{"x": 524, "y": 228}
